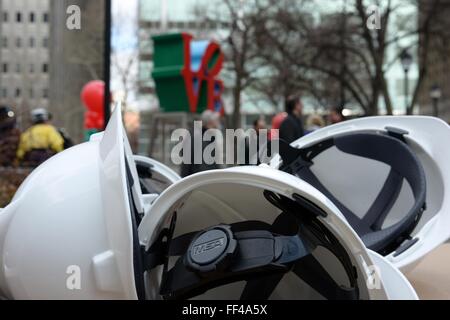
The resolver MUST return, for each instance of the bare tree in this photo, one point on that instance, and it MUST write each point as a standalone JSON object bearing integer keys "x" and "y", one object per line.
{"x": 343, "y": 48}
{"x": 282, "y": 39}
{"x": 75, "y": 59}
{"x": 431, "y": 24}
{"x": 125, "y": 65}
{"x": 237, "y": 20}
{"x": 279, "y": 47}
{"x": 87, "y": 48}
{"x": 378, "y": 41}
{"x": 125, "y": 58}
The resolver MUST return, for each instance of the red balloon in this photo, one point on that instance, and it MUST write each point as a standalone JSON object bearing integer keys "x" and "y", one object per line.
{"x": 92, "y": 95}
{"x": 89, "y": 124}
{"x": 93, "y": 120}
{"x": 100, "y": 123}
{"x": 92, "y": 115}
{"x": 277, "y": 120}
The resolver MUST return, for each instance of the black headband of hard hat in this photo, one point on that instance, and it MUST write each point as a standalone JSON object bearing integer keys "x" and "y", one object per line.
{"x": 252, "y": 251}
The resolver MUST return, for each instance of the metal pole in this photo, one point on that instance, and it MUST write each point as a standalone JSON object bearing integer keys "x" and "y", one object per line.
{"x": 436, "y": 107}
{"x": 164, "y": 15}
{"x": 344, "y": 56}
{"x": 408, "y": 109}
{"x": 107, "y": 61}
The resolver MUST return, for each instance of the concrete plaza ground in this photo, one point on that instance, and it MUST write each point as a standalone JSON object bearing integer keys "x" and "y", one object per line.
{"x": 431, "y": 277}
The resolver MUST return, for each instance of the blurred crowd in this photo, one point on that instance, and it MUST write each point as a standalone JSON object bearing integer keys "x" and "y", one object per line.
{"x": 43, "y": 140}
{"x": 35, "y": 145}
{"x": 292, "y": 123}
{"x": 289, "y": 126}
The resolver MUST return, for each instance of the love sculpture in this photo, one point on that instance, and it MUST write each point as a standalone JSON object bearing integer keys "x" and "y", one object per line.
{"x": 186, "y": 73}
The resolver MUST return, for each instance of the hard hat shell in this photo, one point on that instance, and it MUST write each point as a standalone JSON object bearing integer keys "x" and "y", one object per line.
{"x": 236, "y": 194}
{"x": 69, "y": 231}
{"x": 168, "y": 175}
{"x": 427, "y": 138}
{"x": 154, "y": 178}
{"x": 39, "y": 114}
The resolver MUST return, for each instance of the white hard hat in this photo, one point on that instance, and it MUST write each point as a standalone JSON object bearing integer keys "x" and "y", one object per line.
{"x": 39, "y": 114}
{"x": 389, "y": 176}
{"x": 69, "y": 232}
{"x": 258, "y": 233}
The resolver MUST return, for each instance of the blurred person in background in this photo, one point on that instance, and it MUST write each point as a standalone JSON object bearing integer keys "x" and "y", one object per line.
{"x": 314, "y": 122}
{"x": 40, "y": 142}
{"x": 68, "y": 142}
{"x": 210, "y": 120}
{"x": 259, "y": 124}
{"x": 335, "y": 115}
{"x": 277, "y": 120}
{"x": 9, "y": 137}
{"x": 291, "y": 128}
{"x": 253, "y": 159}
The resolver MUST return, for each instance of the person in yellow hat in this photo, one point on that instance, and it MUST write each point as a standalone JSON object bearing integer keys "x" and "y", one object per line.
{"x": 40, "y": 142}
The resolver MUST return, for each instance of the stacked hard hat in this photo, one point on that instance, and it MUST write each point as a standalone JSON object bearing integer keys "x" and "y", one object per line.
{"x": 80, "y": 227}
{"x": 389, "y": 177}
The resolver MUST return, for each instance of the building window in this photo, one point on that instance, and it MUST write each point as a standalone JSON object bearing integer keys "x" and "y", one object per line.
{"x": 32, "y": 42}
{"x": 5, "y": 16}
{"x": 18, "y": 68}
{"x": 18, "y": 17}
{"x": 5, "y": 42}
{"x": 5, "y": 68}
{"x": 31, "y": 68}
{"x": 18, "y": 42}
{"x": 45, "y": 17}
{"x": 45, "y": 93}
{"x": 45, "y": 68}
{"x": 18, "y": 92}
{"x": 4, "y": 93}
{"x": 31, "y": 16}
{"x": 45, "y": 42}
{"x": 31, "y": 93}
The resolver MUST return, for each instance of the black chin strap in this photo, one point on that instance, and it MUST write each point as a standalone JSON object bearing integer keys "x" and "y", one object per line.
{"x": 252, "y": 251}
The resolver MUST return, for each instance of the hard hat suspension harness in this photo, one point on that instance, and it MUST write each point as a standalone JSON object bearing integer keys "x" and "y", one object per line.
{"x": 252, "y": 251}
{"x": 388, "y": 147}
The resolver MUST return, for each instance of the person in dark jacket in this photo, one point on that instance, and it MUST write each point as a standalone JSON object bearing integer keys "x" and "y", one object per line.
{"x": 68, "y": 142}
{"x": 9, "y": 137}
{"x": 291, "y": 128}
{"x": 210, "y": 120}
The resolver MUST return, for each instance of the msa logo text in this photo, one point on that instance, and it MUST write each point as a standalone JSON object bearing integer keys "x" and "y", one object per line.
{"x": 208, "y": 246}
